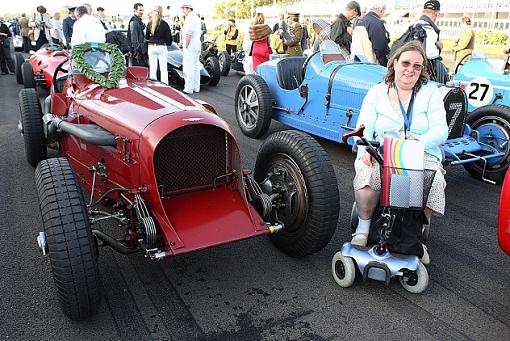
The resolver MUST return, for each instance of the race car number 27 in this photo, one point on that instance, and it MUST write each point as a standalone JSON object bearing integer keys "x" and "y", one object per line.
{"x": 479, "y": 92}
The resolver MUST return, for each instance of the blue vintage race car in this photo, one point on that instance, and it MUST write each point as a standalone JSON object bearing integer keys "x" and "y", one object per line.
{"x": 322, "y": 95}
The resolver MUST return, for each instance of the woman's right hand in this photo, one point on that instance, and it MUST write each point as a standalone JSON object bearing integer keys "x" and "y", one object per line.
{"x": 367, "y": 159}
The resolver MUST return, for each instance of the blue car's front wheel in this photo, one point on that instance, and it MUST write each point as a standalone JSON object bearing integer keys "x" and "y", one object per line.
{"x": 253, "y": 106}
{"x": 492, "y": 122}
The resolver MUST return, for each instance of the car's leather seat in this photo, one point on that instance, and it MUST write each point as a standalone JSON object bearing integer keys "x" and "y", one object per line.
{"x": 289, "y": 72}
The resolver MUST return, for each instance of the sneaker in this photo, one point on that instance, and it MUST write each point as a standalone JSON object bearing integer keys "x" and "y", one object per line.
{"x": 359, "y": 239}
{"x": 425, "y": 259}
{"x": 196, "y": 90}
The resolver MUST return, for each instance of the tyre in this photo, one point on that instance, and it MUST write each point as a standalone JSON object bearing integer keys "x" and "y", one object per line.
{"x": 19, "y": 60}
{"x": 71, "y": 246}
{"x": 295, "y": 169}
{"x": 212, "y": 65}
{"x": 27, "y": 74}
{"x": 493, "y": 125}
{"x": 417, "y": 281}
{"x": 224, "y": 59}
{"x": 253, "y": 106}
{"x": 31, "y": 121}
{"x": 343, "y": 269}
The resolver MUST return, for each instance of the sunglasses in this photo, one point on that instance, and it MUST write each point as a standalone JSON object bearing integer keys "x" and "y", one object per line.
{"x": 416, "y": 67}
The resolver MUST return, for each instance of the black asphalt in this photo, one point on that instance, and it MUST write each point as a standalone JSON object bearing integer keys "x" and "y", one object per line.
{"x": 250, "y": 290}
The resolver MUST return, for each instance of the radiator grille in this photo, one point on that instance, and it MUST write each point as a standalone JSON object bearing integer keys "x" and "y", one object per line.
{"x": 455, "y": 104}
{"x": 190, "y": 157}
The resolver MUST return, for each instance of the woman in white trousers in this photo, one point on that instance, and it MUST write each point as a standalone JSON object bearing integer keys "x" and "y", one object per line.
{"x": 158, "y": 36}
{"x": 158, "y": 54}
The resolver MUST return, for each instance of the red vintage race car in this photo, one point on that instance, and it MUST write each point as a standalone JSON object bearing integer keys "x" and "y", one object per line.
{"x": 504, "y": 215}
{"x": 39, "y": 69}
{"x": 169, "y": 170}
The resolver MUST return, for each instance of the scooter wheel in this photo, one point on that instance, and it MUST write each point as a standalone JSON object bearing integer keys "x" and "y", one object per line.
{"x": 344, "y": 271}
{"x": 417, "y": 281}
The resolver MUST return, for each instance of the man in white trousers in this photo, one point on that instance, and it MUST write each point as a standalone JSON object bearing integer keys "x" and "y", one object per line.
{"x": 191, "y": 49}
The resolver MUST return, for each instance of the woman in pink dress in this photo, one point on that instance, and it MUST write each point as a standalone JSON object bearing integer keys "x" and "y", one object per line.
{"x": 259, "y": 35}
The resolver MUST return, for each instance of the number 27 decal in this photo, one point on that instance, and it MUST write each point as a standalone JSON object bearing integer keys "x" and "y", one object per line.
{"x": 479, "y": 91}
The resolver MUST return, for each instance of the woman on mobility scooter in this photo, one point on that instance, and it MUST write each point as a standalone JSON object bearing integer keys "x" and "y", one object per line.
{"x": 407, "y": 105}
{"x": 407, "y": 114}
{"x": 403, "y": 112}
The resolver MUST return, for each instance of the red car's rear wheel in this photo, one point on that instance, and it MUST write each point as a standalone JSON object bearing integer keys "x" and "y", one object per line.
{"x": 31, "y": 121}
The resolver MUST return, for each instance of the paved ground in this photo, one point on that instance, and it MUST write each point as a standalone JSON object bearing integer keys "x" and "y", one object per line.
{"x": 249, "y": 290}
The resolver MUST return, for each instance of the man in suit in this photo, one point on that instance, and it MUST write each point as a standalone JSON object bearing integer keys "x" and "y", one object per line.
{"x": 67, "y": 26}
{"x": 24, "y": 30}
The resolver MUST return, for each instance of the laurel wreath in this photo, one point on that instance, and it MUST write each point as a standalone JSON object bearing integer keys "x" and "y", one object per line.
{"x": 118, "y": 66}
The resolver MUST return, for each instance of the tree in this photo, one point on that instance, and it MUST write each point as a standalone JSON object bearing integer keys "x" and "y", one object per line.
{"x": 244, "y": 7}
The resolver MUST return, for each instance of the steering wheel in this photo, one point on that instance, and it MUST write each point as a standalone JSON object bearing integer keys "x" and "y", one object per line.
{"x": 58, "y": 86}
{"x": 462, "y": 61}
{"x": 305, "y": 64}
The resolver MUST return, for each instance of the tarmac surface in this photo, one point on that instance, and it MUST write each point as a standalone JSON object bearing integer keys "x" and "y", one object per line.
{"x": 250, "y": 290}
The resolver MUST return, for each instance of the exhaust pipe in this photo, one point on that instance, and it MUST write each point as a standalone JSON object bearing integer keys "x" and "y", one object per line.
{"x": 114, "y": 243}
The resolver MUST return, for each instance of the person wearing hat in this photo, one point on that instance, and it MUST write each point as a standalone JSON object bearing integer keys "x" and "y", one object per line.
{"x": 341, "y": 29}
{"x": 433, "y": 45}
{"x": 41, "y": 23}
{"x": 191, "y": 48}
{"x": 67, "y": 26}
{"x": 231, "y": 34}
{"x": 466, "y": 42}
{"x": 293, "y": 38}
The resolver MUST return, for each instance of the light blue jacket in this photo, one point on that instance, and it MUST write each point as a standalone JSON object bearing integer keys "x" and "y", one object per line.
{"x": 429, "y": 117}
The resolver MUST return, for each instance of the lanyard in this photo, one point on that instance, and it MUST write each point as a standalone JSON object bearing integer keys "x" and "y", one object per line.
{"x": 408, "y": 116}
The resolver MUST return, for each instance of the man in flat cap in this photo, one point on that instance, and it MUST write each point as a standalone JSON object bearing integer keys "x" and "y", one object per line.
{"x": 67, "y": 26}
{"x": 433, "y": 45}
{"x": 293, "y": 38}
{"x": 341, "y": 28}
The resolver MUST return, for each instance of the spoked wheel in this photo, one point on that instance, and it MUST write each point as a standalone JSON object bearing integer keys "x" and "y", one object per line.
{"x": 212, "y": 66}
{"x": 253, "y": 106}
{"x": 417, "y": 281}
{"x": 493, "y": 125}
{"x": 343, "y": 269}
{"x": 224, "y": 59}
{"x": 71, "y": 246}
{"x": 293, "y": 168}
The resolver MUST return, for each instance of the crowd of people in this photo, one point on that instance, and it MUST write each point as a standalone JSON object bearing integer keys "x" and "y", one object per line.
{"x": 356, "y": 30}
